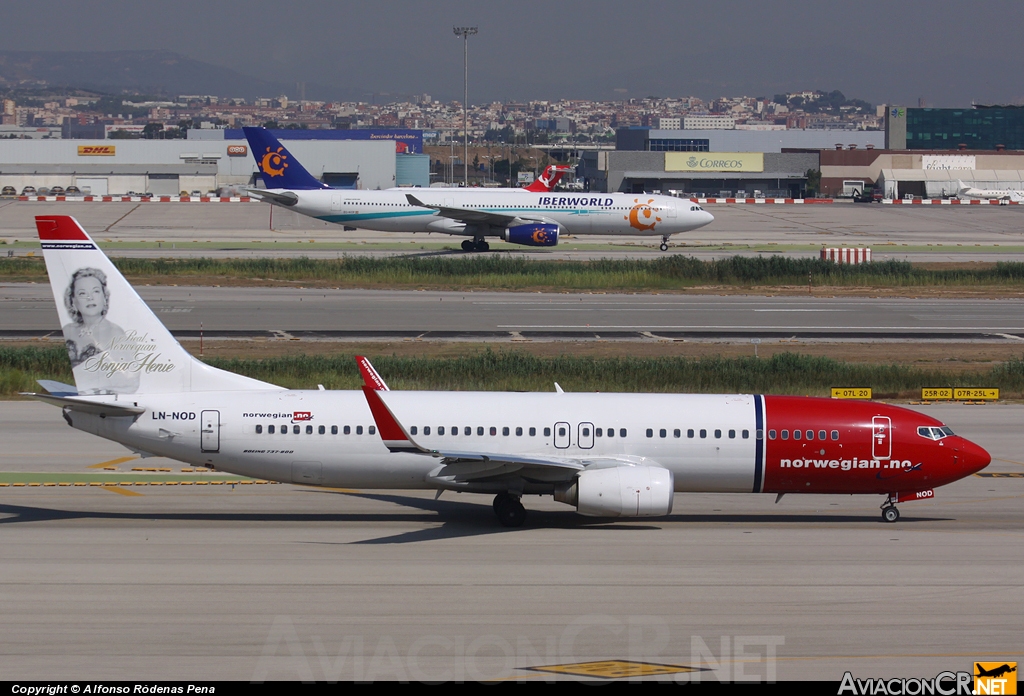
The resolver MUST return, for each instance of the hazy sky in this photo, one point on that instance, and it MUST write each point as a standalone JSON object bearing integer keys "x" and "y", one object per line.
{"x": 948, "y": 52}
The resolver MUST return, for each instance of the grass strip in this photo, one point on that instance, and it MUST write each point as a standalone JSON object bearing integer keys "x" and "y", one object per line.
{"x": 675, "y": 272}
{"x": 783, "y": 373}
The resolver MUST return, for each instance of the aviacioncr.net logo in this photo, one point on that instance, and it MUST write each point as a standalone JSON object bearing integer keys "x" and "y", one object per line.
{"x": 642, "y": 216}
{"x": 273, "y": 163}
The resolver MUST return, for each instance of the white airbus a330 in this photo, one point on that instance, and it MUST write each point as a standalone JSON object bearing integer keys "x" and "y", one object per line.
{"x": 614, "y": 455}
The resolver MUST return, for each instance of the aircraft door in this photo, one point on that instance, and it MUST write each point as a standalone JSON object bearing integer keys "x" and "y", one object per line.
{"x": 209, "y": 439}
{"x": 336, "y": 203}
{"x": 881, "y": 437}
{"x": 561, "y": 435}
{"x": 585, "y": 436}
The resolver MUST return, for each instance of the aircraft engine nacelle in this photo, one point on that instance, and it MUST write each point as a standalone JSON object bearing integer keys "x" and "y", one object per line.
{"x": 533, "y": 234}
{"x": 621, "y": 491}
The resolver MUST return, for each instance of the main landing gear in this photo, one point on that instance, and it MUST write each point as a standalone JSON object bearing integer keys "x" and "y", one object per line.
{"x": 475, "y": 245}
{"x": 509, "y": 509}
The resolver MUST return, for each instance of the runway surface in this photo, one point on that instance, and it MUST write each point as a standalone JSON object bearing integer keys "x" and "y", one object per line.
{"x": 27, "y": 310}
{"x": 284, "y": 582}
{"x": 937, "y": 232}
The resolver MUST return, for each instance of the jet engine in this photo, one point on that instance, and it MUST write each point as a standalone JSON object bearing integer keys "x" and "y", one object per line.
{"x": 621, "y": 491}
{"x": 533, "y": 234}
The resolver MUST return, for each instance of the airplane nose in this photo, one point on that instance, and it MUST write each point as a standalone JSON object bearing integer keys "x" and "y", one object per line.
{"x": 973, "y": 457}
{"x": 708, "y": 218}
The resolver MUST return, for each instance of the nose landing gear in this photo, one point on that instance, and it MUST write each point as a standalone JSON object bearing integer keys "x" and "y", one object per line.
{"x": 890, "y": 513}
{"x": 664, "y": 243}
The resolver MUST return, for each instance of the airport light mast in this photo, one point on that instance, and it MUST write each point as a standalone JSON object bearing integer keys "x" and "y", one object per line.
{"x": 465, "y": 33}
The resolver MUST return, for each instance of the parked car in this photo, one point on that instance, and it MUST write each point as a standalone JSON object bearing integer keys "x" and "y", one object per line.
{"x": 8, "y": 191}
{"x": 43, "y": 191}
{"x": 57, "y": 191}
{"x": 196, "y": 194}
{"x": 28, "y": 191}
{"x": 146, "y": 194}
{"x": 73, "y": 191}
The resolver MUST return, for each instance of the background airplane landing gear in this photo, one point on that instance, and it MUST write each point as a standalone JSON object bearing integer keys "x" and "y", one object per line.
{"x": 890, "y": 514}
{"x": 664, "y": 243}
{"x": 467, "y": 245}
{"x": 481, "y": 245}
{"x": 509, "y": 510}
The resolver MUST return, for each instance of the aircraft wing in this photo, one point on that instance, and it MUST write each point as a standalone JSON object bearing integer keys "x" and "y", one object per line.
{"x": 97, "y": 407}
{"x": 466, "y": 215}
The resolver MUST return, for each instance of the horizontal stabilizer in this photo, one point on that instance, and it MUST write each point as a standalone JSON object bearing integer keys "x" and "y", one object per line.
{"x": 286, "y": 198}
{"x": 57, "y": 388}
{"x": 98, "y": 408}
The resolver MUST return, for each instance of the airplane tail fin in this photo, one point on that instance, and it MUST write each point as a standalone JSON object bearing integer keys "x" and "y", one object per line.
{"x": 115, "y": 342}
{"x": 549, "y": 178}
{"x": 278, "y": 167}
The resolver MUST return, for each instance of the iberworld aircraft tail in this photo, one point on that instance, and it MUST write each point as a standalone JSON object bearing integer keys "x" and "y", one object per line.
{"x": 278, "y": 167}
{"x": 548, "y": 179}
{"x": 115, "y": 342}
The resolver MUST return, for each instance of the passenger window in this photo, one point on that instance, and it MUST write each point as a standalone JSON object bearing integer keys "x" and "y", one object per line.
{"x": 561, "y": 432}
{"x": 413, "y": 430}
{"x": 611, "y": 432}
{"x": 519, "y": 432}
{"x": 468, "y": 430}
{"x": 810, "y": 434}
{"x": 533, "y": 432}
{"x": 821, "y": 435}
{"x": 334, "y": 430}
{"x": 586, "y": 432}
{"x": 348, "y": 430}
{"x": 771, "y": 434}
{"x": 440, "y": 430}
{"x": 494, "y": 431}
{"x": 322, "y": 430}
{"x": 689, "y": 432}
{"x": 455, "y": 430}
{"x": 259, "y": 429}
{"x": 785, "y": 434}
{"x": 598, "y": 432}
{"x": 718, "y": 434}
{"x": 359, "y": 430}
{"x": 295, "y": 429}
{"x": 426, "y": 429}
{"x": 703, "y": 433}
{"x": 372, "y": 430}
{"x": 284, "y": 429}
{"x": 309, "y": 429}
{"x": 504, "y": 431}
{"x": 547, "y": 432}
{"x": 662, "y": 433}
{"x": 622, "y": 432}
{"x": 746, "y": 435}
{"x": 796, "y": 434}
{"x": 835, "y": 434}
{"x": 676, "y": 433}
{"x": 270, "y": 430}
{"x": 650, "y": 433}
{"x": 732, "y": 434}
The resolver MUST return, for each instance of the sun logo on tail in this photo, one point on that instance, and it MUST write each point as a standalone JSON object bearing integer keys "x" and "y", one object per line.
{"x": 641, "y": 214}
{"x": 273, "y": 163}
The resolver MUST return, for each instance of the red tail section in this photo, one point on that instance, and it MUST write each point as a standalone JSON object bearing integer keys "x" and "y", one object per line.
{"x": 551, "y": 175}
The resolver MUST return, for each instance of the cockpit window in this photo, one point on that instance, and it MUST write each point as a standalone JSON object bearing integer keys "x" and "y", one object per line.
{"x": 934, "y": 433}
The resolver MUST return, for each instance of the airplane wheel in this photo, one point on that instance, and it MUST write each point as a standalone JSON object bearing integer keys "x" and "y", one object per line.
{"x": 483, "y": 246}
{"x": 664, "y": 246}
{"x": 499, "y": 500}
{"x": 468, "y": 245}
{"x": 890, "y": 514}
{"x": 511, "y": 512}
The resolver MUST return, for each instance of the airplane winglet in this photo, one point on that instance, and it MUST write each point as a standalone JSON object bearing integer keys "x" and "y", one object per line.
{"x": 371, "y": 378}
{"x": 413, "y": 200}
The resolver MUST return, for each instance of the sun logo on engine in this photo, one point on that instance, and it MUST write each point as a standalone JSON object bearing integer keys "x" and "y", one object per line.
{"x": 642, "y": 216}
{"x": 273, "y": 163}
{"x": 540, "y": 236}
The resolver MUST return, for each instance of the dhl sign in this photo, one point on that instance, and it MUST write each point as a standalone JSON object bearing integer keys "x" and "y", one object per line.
{"x": 97, "y": 150}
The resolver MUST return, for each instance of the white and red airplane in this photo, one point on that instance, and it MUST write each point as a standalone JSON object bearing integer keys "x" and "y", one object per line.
{"x": 528, "y": 218}
{"x": 608, "y": 455}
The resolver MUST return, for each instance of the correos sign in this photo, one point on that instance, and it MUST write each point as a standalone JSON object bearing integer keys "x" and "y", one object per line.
{"x": 714, "y": 161}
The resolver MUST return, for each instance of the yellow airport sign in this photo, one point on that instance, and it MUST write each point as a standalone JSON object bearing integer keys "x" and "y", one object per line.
{"x": 975, "y": 394}
{"x": 714, "y": 161}
{"x": 851, "y": 392}
{"x": 932, "y": 394}
{"x": 97, "y": 150}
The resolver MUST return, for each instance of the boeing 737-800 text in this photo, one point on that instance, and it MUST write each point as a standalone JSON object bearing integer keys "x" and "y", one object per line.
{"x": 608, "y": 455}
{"x": 531, "y": 219}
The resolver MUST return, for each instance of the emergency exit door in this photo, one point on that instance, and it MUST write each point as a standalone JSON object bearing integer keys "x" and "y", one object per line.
{"x": 210, "y": 436}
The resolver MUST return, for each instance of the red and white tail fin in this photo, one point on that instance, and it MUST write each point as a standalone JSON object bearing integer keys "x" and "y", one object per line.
{"x": 395, "y": 437}
{"x": 115, "y": 342}
{"x": 549, "y": 178}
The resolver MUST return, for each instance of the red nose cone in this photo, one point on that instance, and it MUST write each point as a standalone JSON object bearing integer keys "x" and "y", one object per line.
{"x": 973, "y": 457}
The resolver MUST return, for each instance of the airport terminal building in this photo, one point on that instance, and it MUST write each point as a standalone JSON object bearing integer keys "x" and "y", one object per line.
{"x": 210, "y": 160}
